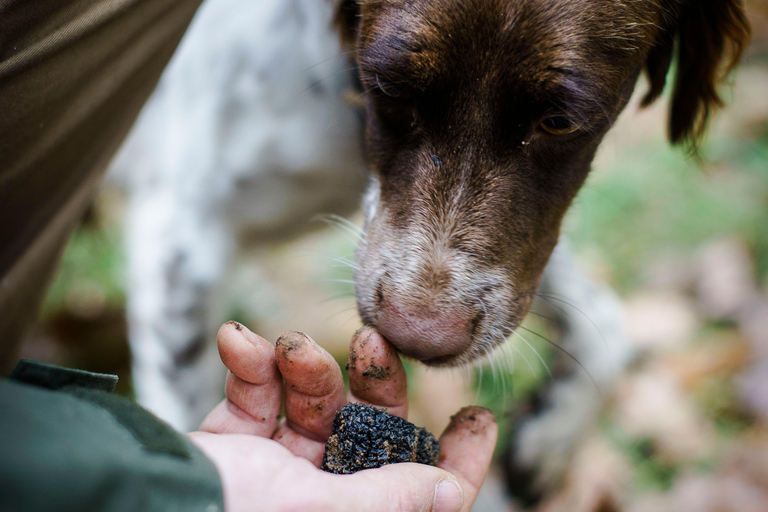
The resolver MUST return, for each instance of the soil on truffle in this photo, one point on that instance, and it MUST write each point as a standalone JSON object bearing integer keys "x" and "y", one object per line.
{"x": 365, "y": 437}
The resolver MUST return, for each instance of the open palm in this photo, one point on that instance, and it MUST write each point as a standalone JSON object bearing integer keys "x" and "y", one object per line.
{"x": 270, "y": 464}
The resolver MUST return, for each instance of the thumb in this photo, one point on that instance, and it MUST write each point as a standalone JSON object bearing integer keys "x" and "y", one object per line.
{"x": 467, "y": 449}
{"x": 398, "y": 488}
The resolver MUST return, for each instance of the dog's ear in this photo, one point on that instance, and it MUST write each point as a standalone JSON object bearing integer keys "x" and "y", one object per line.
{"x": 347, "y": 21}
{"x": 709, "y": 37}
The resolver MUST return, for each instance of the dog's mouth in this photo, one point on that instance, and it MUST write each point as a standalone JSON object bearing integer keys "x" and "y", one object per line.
{"x": 449, "y": 351}
{"x": 452, "y": 334}
{"x": 445, "y": 288}
{"x": 440, "y": 361}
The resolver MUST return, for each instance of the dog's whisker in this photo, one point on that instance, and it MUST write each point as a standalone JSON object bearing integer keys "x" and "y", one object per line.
{"x": 490, "y": 361}
{"x": 344, "y": 226}
{"x": 482, "y": 304}
{"x": 512, "y": 346}
{"x": 316, "y": 83}
{"x": 340, "y": 312}
{"x": 338, "y": 297}
{"x": 494, "y": 370}
{"x": 479, "y": 379}
{"x": 602, "y": 108}
{"x": 342, "y": 55}
{"x": 507, "y": 350}
{"x": 536, "y": 352}
{"x": 332, "y": 257}
{"x": 348, "y": 235}
{"x": 586, "y": 316}
{"x": 345, "y": 233}
{"x": 352, "y": 230}
{"x": 567, "y": 353}
{"x": 345, "y": 266}
{"x": 508, "y": 361}
{"x": 349, "y": 319}
{"x": 541, "y": 315}
{"x": 343, "y": 263}
{"x": 334, "y": 280}
{"x": 325, "y": 78}
{"x": 502, "y": 375}
{"x": 346, "y": 222}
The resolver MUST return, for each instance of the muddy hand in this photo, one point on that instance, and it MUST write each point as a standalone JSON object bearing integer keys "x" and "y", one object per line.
{"x": 264, "y": 465}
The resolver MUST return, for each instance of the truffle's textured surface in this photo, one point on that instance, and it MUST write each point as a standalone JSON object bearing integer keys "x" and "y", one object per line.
{"x": 365, "y": 437}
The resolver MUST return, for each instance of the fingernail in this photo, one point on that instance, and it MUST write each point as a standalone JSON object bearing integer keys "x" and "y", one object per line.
{"x": 292, "y": 340}
{"x": 236, "y": 325}
{"x": 448, "y": 497}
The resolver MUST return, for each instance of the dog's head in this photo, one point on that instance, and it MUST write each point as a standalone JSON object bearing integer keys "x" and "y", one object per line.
{"x": 483, "y": 117}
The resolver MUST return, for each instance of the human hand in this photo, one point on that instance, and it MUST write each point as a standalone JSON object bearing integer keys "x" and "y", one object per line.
{"x": 268, "y": 465}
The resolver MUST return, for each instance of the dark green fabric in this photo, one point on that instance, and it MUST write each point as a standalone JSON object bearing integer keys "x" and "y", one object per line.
{"x": 55, "y": 377}
{"x": 81, "y": 449}
{"x": 154, "y": 434}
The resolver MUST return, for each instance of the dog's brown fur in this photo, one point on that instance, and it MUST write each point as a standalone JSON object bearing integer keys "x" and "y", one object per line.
{"x": 483, "y": 117}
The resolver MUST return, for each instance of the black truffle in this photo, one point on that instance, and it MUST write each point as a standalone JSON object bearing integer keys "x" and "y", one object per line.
{"x": 365, "y": 437}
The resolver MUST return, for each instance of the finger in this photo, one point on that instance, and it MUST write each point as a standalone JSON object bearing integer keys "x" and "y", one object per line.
{"x": 466, "y": 448}
{"x": 313, "y": 385}
{"x": 376, "y": 375}
{"x": 253, "y": 388}
{"x": 397, "y": 487}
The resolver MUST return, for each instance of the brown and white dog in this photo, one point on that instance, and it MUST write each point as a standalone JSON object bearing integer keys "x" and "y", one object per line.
{"x": 483, "y": 117}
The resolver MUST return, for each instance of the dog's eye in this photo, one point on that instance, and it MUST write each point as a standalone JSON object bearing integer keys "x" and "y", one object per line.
{"x": 559, "y": 125}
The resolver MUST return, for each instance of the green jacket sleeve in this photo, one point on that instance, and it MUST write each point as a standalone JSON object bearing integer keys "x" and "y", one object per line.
{"x": 68, "y": 444}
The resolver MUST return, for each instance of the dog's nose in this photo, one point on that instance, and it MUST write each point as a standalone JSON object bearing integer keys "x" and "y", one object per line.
{"x": 432, "y": 337}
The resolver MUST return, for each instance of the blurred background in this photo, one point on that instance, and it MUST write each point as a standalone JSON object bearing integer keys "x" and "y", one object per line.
{"x": 684, "y": 244}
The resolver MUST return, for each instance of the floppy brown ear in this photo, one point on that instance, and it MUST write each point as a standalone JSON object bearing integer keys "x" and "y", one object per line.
{"x": 709, "y": 38}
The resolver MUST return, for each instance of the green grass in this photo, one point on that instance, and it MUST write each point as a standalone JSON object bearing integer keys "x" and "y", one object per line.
{"x": 656, "y": 202}
{"x": 92, "y": 269}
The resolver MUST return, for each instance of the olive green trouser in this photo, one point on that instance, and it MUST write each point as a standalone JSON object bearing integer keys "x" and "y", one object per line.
{"x": 73, "y": 76}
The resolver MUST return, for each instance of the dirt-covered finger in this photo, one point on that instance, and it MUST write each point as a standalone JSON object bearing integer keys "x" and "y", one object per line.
{"x": 376, "y": 374}
{"x": 313, "y": 385}
{"x": 253, "y": 387}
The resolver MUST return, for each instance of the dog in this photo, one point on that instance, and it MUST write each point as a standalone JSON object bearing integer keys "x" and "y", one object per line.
{"x": 482, "y": 118}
